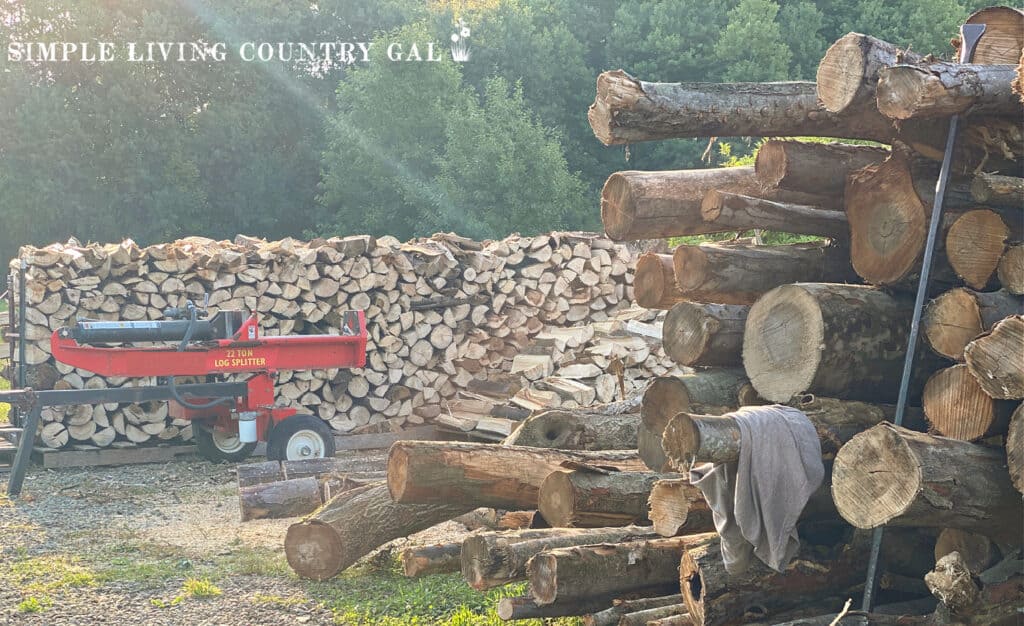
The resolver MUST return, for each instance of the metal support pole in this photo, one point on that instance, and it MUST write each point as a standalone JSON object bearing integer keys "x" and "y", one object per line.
{"x": 969, "y": 36}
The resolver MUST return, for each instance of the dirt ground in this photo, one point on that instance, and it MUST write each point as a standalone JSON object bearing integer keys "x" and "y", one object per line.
{"x": 152, "y": 544}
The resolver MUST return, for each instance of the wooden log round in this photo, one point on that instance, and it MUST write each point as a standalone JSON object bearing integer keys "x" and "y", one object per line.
{"x": 436, "y": 559}
{"x": 800, "y": 338}
{"x": 1004, "y": 35}
{"x": 647, "y": 616}
{"x": 812, "y": 167}
{"x": 956, "y": 406}
{"x": 705, "y": 334}
{"x": 898, "y": 477}
{"x": 497, "y": 558}
{"x": 714, "y": 391}
{"x": 995, "y": 359}
{"x": 577, "y": 430}
{"x": 584, "y": 499}
{"x": 941, "y": 89}
{"x": 679, "y": 508}
{"x": 975, "y": 243}
{"x": 740, "y": 273}
{"x": 847, "y": 75}
{"x": 958, "y": 316}
{"x": 1011, "y": 269}
{"x": 736, "y": 212}
{"x": 654, "y": 284}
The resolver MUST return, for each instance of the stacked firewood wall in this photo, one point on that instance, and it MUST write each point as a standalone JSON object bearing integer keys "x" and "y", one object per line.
{"x": 454, "y": 324}
{"x": 821, "y": 325}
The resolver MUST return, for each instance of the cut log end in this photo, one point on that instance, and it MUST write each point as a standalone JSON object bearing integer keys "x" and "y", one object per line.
{"x": 957, "y": 407}
{"x": 974, "y": 245}
{"x": 556, "y": 499}
{"x": 473, "y": 558}
{"x": 1011, "y": 269}
{"x": 398, "y": 472}
{"x": 782, "y": 356}
{"x": 952, "y": 321}
{"x": 313, "y": 550}
{"x": 544, "y": 578}
{"x": 881, "y": 478}
{"x": 653, "y": 283}
{"x": 616, "y": 198}
{"x": 844, "y": 59}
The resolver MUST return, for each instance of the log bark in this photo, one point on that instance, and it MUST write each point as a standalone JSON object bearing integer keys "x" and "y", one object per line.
{"x": 611, "y": 616}
{"x": 740, "y": 273}
{"x": 941, "y": 89}
{"x": 583, "y": 499}
{"x": 977, "y": 551}
{"x": 646, "y": 616}
{"x": 958, "y": 316}
{"x": 1011, "y": 269}
{"x": 808, "y": 167}
{"x": 679, "y": 508}
{"x": 705, "y": 334}
{"x": 495, "y": 559}
{"x": 714, "y": 597}
{"x": 735, "y": 212}
{"x": 286, "y": 498}
{"x": 437, "y": 559}
{"x": 610, "y": 570}
{"x": 353, "y": 524}
{"x": 957, "y": 407}
{"x": 975, "y": 243}
{"x": 1004, "y": 35}
{"x": 894, "y": 476}
{"x": 715, "y": 390}
{"x": 1015, "y": 448}
{"x": 627, "y": 110}
{"x": 480, "y": 474}
{"x": 847, "y": 75}
{"x": 716, "y": 438}
{"x": 655, "y": 205}
{"x": 843, "y": 341}
{"x": 525, "y": 607}
{"x": 996, "y": 190}
{"x": 654, "y": 283}
{"x": 995, "y": 359}
{"x": 577, "y": 430}
{"x": 991, "y": 598}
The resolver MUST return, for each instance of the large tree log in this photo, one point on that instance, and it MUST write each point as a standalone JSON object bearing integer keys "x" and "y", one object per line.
{"x": 679, "y": 508}
{"x": 611, "y": 616}
{"x": 656, "y": 614}
{"x": 285, "y": 498}
{"x": 940, "y": 89}
{"x": 480, "y": 474}
{"x": 1004, "y": 35}
{"x": 844, "y": 341}
{"x": 584, "y": 499}
{"x": 525, "y": 607}
{"x": 996, "y": 190}
{"x": 494, "y": 559}
{"x": 894, "y": 476}
{"x": 735, "y": 212}
{"x": 1011, "y": 269}
{"x": 351, "y": 525}
{"x": 705, "y": 334}
{"x": 715, "y": 391}
{"x": 654, "y": 283}
{"x": 1015, "y": 448}
{"x": 577, "y": 430}
{"x": 975, "y": 243}
{"x": 812, "y": 167}
{"x": 995, "y": 359}
{"x": 437, "y": 559}
{"x": 654, "y": 205}
{"x": 957, "y": 317}
{"x": 740, "y": 273}
{"x": 627, "y": 110}
{"x": 609, "y": 570}
{"x": 956, "y": 406}
{"x": 716, "y": 438}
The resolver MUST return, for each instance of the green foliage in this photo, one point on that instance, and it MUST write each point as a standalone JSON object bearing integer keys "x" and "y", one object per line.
{"x": 33, "y": 604}
{"x": 752, "y": 47}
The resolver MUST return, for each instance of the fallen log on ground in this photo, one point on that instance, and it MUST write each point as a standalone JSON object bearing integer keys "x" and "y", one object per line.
{"x": 708, "y": 391}
{"x": 898, "y": 477}
{"x": 578, "y": 429}
{"x": 958, "y": 316}
{"x": 679, "y": 508}
{"x": 811, "y": 167}
{"x": 705, "y": 334}
{"x": 353, "y": 524}
{"x": 958, "y": 407}
{"x": 941, "y": 89}
{"x": 611, "y": 616}
{"x": 736, "y": 212}
{"x": 495, "y": 559}
{"x": 584, "y": 499}
{"x": 831, "y": 340}
{"x": 284, "y": 498}
{"x": 994, "y": 359}
{"x": 610, "y": 570}
{"x": 526, "y": 607}
{"x": 437, "y": 559}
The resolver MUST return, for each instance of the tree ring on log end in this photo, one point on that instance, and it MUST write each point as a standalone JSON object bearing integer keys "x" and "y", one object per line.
{"x": 616, "y": 206}
{"x": 843, "y": 59}
{"x": 952, "y": 321}
{"x": 398, "y": 467}
{"x": 544, "y": 578}
{"x": 690, "y": 329}
{"x": 870, "y": 482}
{"x": 556, "y": 499}
{"x": 690, "y": 263}
{"x": 783, "y": 342}
{"x": 975, "y": 244}
{"x": 649, "y": 282}
{"x": 771, "y": 164}
{"x": 472, "y": 559}
{"x": 313, "y": 550}
{"x": 685, "y": 437}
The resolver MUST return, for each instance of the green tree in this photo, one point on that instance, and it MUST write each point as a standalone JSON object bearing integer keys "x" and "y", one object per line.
{"x": 801, "y": 24}
{"x": 751, "y": 47}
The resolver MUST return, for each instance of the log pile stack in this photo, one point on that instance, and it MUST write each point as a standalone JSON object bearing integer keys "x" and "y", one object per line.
{"x": 821, "y": 325}
{"x": 457, "y": 327}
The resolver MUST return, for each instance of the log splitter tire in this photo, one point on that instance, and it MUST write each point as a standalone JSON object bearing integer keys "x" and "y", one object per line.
{"x": 300, "y": 437}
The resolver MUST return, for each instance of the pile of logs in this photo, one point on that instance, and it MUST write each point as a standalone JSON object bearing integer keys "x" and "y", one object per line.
{"x": 457, "y": 328}
{"x": 821, "y": 325}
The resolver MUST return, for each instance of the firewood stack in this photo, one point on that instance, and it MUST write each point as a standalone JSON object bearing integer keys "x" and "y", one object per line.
{"x": 821, "y": 325}
{"x": 457, "y": 327}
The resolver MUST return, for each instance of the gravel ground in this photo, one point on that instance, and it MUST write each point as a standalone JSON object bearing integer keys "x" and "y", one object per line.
{"x": 116, "y": 545}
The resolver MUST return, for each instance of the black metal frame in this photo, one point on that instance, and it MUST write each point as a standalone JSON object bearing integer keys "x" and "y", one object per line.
{"x": 32, "y": 402}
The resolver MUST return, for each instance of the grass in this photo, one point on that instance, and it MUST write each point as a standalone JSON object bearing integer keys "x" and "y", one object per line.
{"x": 191, "y": 588}
{"x": 39, "y": 578}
